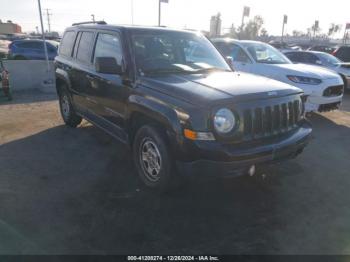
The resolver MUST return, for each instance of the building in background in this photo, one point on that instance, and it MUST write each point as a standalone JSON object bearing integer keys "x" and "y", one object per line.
{"x": 9, "y": 28}
{"x": 215, "y": 25}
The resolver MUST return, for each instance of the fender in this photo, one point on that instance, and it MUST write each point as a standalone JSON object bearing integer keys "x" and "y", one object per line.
{"x": 160, "y": 112}
{"x": 63, "y": 75}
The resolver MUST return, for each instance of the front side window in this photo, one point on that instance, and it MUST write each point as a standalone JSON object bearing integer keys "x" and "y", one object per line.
{"x": 239, "y": 55}
{"x": 266, "y": 54}
{"x": 109, "y": 46}
{"x": 182, "y": 52}
{"x": 84, "y": 48}
{"x": 329, "y": 59}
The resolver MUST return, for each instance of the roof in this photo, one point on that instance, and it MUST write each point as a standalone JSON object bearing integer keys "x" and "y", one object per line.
{"x": 127, "y": 27}
{"x": 232, "y": 40}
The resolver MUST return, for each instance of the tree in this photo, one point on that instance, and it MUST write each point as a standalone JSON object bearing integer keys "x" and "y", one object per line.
{"x": 252, "y": 29}
{"x": 297, "y": 33}
{"x": 333, "y": 29}
{"x": 264, "y": 33}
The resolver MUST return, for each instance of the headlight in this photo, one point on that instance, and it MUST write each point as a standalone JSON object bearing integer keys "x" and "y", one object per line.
{"x": 224, "y": 121}
{"x": 305, "y": 80}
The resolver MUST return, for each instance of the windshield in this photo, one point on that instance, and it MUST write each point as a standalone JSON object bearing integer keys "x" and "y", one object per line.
{"x": 175, "y": 52}
{"x": 329, "y": 59}
{"x": 263, "y": 53}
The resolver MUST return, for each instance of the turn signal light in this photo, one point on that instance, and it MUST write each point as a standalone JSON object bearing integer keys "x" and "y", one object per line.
{"x": 192, "y": 135}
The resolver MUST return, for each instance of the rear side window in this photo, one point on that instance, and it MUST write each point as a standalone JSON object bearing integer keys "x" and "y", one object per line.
{"x": 310, "y": 58}
{"x": 343, "y": 53}
{"x": 84, "y": 48}
{"x": 295, "y": 57}
{"x": 67, "y": 43}
{"x": 109, "y": 46}
{"x": 30, "y": 45}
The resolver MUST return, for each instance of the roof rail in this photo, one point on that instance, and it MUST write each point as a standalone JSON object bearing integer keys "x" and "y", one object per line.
{"x": 90, "y": 22}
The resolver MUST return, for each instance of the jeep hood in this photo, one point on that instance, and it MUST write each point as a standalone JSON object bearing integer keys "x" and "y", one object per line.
{"x": 304, "y": 70}
{"x": 214, "y": 87}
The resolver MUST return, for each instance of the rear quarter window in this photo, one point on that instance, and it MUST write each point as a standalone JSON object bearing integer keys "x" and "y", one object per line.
{"x": 67, "y": 43}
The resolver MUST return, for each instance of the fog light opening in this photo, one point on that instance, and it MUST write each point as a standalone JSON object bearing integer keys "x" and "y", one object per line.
{"x": 251, "y": 170}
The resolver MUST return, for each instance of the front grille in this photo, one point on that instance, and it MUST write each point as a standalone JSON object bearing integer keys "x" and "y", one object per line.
{"x": 346, "y": 65}
{"x": 271, "y": 120}
{"x": 333, "y": 91}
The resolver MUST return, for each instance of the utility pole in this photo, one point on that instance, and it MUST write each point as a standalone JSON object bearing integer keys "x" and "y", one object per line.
{"x": 48, "y": 14}
{"x": 93, "y": 18}
{"x": 316, "y": 26}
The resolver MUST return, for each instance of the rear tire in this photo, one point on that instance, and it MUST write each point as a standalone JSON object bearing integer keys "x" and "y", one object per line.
{"x": 68, "y": 113}
{"x": 153, "y": 159}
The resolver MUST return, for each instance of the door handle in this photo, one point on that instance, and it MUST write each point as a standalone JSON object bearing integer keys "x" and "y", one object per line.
{"x": 90, "y": 77}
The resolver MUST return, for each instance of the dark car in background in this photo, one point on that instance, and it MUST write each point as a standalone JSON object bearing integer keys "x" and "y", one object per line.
{"x": 322, "y": 48}
{"x": 32, "y": 49}
{"x": 343, "y": 53}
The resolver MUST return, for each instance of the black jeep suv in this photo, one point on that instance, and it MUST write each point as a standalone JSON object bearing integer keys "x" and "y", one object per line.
{"x": 173, "y": 99}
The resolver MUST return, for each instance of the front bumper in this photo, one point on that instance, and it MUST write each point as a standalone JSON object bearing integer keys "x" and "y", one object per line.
{"x": 317, "y": 101}
{"x": 231, "y": 160}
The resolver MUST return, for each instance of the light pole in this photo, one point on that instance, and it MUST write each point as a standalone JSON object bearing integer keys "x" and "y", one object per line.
{"x": 93, "y": 18}
{"x": 285, "y": 20}
{"x": 159, "y": 9}
{"x": 246, "y": 12}
{"x": 132, "y": 11}
{"x": 43, "y": 36}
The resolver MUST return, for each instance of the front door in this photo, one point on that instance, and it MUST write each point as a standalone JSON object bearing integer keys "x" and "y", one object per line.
{"x": 111, "y": 92}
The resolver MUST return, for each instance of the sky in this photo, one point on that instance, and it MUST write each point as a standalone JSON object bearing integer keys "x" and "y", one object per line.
{"x": 193, "y": 14}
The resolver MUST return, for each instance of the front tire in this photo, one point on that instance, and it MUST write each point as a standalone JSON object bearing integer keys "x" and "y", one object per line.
{"x": 153, "y": 159}
{"x": 68, "y": 113}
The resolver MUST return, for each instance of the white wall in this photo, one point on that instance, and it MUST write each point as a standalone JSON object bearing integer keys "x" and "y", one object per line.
{"x": 30, "y": 74}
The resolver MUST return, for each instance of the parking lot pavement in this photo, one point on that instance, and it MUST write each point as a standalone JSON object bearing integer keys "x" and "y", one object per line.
{"x": 74, "y": 191}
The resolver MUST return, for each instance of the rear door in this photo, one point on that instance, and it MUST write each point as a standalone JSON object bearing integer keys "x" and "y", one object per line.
{"x": 81, "y": 70}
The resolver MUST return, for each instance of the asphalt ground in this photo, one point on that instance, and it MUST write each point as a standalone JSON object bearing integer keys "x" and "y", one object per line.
{"x": 75, "y": 191}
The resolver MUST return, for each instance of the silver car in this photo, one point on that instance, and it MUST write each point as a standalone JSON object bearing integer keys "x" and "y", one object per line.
{"x": 322, "y": 59}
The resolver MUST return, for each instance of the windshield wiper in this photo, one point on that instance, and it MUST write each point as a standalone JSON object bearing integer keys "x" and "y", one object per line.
{"x": 165, "y": 71}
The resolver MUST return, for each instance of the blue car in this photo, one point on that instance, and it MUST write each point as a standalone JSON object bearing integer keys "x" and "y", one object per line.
{"x": 32, "y": 49}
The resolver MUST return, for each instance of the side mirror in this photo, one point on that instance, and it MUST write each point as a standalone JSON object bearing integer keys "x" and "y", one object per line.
{"x": 107, "y": 65}
{"x": 229, "y": 60}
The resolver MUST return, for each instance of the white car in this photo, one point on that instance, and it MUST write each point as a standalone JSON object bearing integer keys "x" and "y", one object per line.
{"x": 324, "y": 89}
{"x": 322, "y": 59}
